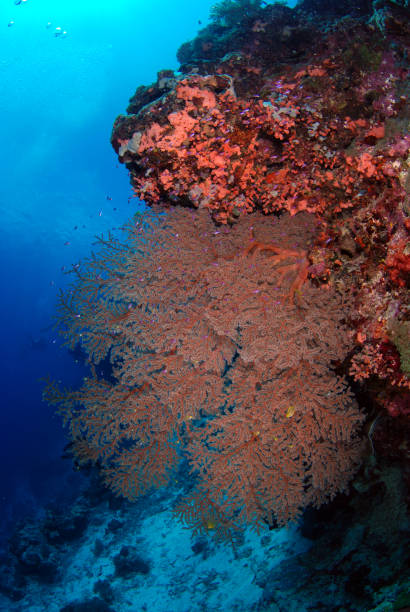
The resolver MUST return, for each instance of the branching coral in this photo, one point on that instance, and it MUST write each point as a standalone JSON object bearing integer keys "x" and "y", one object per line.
{"x": 214, "y": 363}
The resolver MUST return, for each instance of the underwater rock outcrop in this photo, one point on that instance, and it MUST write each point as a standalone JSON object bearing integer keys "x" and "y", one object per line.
{"x": 244, "y": 127}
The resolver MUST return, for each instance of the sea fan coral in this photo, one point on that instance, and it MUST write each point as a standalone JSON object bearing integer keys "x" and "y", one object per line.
{"x": 212, "y": 362}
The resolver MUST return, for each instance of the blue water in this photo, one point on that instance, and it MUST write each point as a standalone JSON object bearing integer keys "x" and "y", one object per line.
{"x": 60, "y": 186}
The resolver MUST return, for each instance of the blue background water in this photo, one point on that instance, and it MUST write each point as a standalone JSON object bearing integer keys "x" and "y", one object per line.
{"x": 59, "y": 97}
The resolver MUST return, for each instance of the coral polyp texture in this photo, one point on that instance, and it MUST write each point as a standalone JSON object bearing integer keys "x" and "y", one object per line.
{"x": 267, "y": 286}
{"x": 221, "y": 356}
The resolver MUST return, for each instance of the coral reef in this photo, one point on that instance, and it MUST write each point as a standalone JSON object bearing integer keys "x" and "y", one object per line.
{"x": 266, "y": 292}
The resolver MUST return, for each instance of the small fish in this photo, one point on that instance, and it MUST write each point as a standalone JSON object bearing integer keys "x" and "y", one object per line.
{"x": 10, "y": 23}
{"x": 59, "y": 32}
{"x": 67, "y": 243}
{"x": 48, "y": 25}
{"x": 109, "y": 198}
